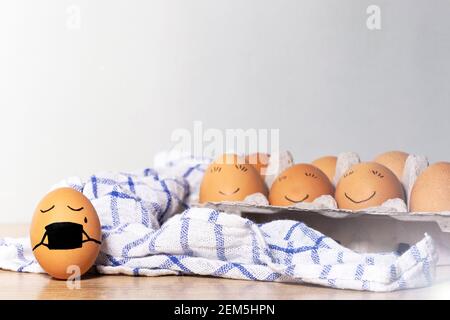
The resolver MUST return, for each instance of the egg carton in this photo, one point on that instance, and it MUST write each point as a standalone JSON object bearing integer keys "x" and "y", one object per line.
{"x": 326, "y": 205}
{"x": 384, "y": 228}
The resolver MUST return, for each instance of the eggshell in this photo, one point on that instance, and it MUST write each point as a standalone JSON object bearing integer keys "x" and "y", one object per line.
{"x": 229, "y": 178}
{"x": 299, "y": 183}
{"x": 259, "y": 161}
{"x": 366, "y": 185}
{"x": 328, "y": 166}
{"x": 65, "y": 232}
{"x": 431, "y": 191}
{"x": 393, "y": 160}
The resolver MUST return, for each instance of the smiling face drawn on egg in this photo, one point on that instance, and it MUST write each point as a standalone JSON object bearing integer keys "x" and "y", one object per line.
{"x": 367, "y": 185}
{"x": 229, "y": 178}
{"x": 299, "y": 183}
{"x": 65, "y": 231}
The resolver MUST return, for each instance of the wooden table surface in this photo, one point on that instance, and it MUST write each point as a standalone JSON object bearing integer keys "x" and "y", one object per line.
{"x": 39, "y": 286}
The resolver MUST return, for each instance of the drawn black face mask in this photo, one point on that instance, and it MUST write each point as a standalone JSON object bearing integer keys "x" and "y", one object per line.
{"x": 64, "y": 236}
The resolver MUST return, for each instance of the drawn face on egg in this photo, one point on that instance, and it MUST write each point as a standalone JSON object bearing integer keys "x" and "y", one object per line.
{"x": 299, "y": 183}
{"x": 230, "y": 179}
{"x": 367, "y": 185}
{"x": 65, "y": 231}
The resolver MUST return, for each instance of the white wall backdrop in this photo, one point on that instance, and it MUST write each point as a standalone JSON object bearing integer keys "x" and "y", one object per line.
{"x": 105, "y": 91}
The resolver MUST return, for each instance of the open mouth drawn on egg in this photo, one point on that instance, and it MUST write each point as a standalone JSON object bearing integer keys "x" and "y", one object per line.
{"x": 229, "y": 194}
{"x": 354, "y": 201}
{"x": 296, "y": 201}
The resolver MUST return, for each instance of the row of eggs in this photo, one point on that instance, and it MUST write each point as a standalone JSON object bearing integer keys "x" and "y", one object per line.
{"x": 364, "y": 185}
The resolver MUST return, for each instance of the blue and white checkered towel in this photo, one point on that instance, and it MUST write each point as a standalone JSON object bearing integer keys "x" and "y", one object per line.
{"x": 149, "y": 229}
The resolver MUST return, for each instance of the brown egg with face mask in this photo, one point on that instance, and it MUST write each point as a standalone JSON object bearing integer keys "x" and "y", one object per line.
{"x": 299, "y": 183}
{"x": 65, "y": 233}
{"x": 431, "y": 191}
{"x": 229, "y": 178}
{"x": 327, "y": 164}
{"x": 393, "y": 160}
{"x": 367, "y": 185}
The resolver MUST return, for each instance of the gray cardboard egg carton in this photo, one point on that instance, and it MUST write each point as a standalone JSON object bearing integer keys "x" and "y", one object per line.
{"x": 385, "y": 228}
{"x": 414, "y": 166}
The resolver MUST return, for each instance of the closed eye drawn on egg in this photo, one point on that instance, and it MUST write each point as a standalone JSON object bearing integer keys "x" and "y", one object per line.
{"x": 241, "y": 167}
{"x": 312, "y": 175}
{"x": 78, "y": 209}
{"x": 282, "y": 178}
{"x": 216, "y": 169}
{"x": 348, "y": 173}
{"x": 47, "y": 210}
{"x": 375, "y": 172}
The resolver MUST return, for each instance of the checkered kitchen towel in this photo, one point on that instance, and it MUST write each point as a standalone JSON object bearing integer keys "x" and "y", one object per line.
{"x": 149, "y": 229}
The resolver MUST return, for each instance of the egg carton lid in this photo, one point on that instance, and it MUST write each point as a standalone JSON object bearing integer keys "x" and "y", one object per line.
{"x": 441, "y": 218}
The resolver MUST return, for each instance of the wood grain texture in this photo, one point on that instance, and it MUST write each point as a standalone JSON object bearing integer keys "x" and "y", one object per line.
{"x": 39, "y": 286}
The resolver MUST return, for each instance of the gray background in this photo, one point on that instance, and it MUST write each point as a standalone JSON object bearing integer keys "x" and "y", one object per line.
{"x": 108, "y": 96}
